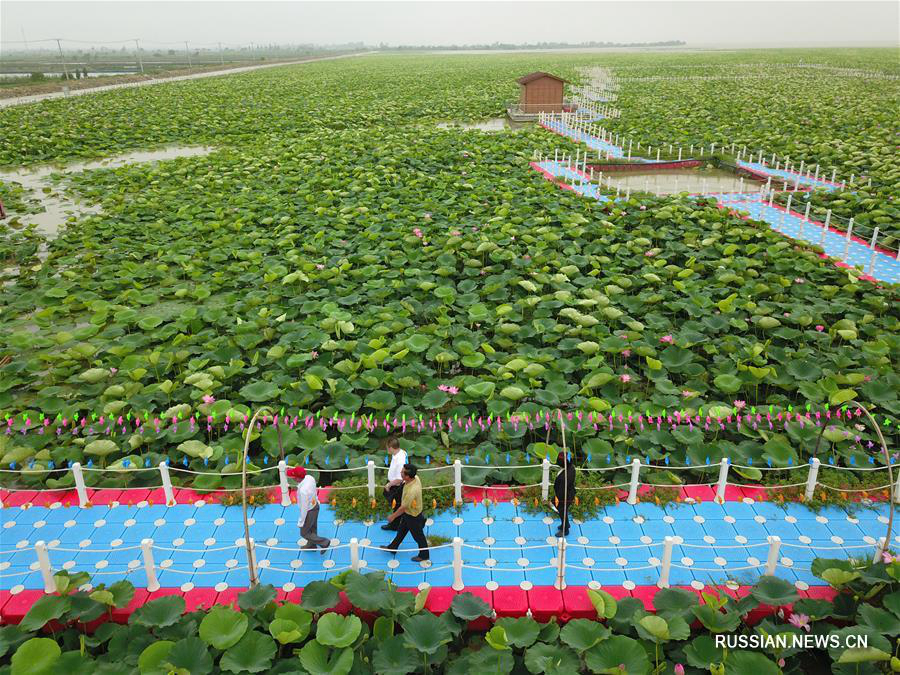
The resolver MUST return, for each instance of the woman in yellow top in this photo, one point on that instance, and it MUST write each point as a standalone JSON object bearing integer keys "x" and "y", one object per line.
{"x": 410, "y": 514}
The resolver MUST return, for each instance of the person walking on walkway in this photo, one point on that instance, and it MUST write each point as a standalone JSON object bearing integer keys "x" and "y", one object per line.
{"x": 393, "y": 490}
{"x": 308, "y": 501}
{"x": 409, "y": 515}
{"x": 564, "y": 491}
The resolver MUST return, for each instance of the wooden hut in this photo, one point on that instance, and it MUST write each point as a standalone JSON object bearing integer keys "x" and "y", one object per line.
{"x": 541, "y": 92}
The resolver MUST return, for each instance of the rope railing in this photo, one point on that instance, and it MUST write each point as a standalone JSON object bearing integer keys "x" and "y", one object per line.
{"x": 664, "y": 565}
{"x": 721, "y": 484}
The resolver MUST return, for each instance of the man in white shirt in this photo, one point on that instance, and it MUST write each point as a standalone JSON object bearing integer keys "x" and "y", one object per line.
{"x": 393, "y": 489}
{"x": 308, "y": 501}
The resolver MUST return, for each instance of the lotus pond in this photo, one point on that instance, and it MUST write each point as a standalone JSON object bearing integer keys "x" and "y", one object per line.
{"x": 338, "y": 253}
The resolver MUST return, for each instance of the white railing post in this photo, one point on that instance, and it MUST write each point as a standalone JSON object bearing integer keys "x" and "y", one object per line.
{"x": 825, "y": 227}
{"x": 811, "y": 479}
{"x": 874, "y": 252}
{"x": 354, "y": 554}
{"x": 723, "y": 480}
{"x": 847, "y": 240}
{"x": 370, "y": 469}
{"x": 806, "y": 213}
{"x": 457, "y": 482}
{"x": 666, "y": 562}
{"x": 774, "y": 548}
{"x": 635, "y": 474}
{"x": 879, "y": 549}
{"x": 897, "y": 489}
{"x": 282, "y": 480}
{"x": 167, "y": 483}
{"x": 545, "y": 479}
{"x": 560, "y": 564}
{"x": 251, "y": 560}
{"x": 44, "y": 561}
{"x": 79, "y": 484}
{"x": 149, "y": 566}
{"x": 457, "y": 564}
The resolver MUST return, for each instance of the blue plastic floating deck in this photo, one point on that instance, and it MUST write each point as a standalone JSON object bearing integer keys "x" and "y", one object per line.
{"x": 593, "y": 142}
{"x": 790, "y": 177}
{"x": 202, "y": 545}
{"x": 885, "y": 267}
{"x": 580, "y": 183}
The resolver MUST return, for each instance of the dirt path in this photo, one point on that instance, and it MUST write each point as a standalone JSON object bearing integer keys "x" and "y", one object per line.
{"x": 137, "y": 81}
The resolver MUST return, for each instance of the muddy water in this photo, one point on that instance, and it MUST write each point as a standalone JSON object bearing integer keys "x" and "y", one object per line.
{"x": 673, "y": 182}
{"x": 58, "y": 207}
{"x": 495, "y": 124}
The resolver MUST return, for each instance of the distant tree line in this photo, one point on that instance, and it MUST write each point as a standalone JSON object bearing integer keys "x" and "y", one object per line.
{"x": 538, "y": 45}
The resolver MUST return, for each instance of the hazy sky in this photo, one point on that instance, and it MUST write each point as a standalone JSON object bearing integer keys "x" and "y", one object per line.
{"x": 699, "y": 23}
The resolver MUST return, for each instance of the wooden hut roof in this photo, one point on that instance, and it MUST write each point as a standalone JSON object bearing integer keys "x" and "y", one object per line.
{"x": 525, "y": 79}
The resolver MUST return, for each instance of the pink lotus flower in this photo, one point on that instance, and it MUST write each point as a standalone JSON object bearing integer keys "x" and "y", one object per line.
{"x": 820, "y": 328}
{"x": 649, "y": 254}
{"x": 687, "y": 393}
{"x": 320, "y": 267}
{"x": 643, "y": 208}
{"x": 867, "y": 378}
{"x": 625, "y": 378}
{"x": 668, "y": 339}
{"x": 740, "y": 405}
{"x": 209, "y": 399}
{"x": 798, "y": 280}
{"x": 886, "y": 557}
{"x": 678, "y": 669}
{"x": 418, "y": 232}
{"x": 113, "y": 371}
{"x": 314, "y": 354}
{"x": 626, "y": 353}
{"x": 456, "y": 233}
{"x": 800, "y": 621}
{"x": 781, "y": 663}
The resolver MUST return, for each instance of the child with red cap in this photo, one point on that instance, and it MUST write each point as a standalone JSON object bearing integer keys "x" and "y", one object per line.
{"x": 308, "y": 501}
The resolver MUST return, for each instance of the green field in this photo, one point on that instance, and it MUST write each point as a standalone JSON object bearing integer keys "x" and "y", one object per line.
{"x": 286, "y": 268}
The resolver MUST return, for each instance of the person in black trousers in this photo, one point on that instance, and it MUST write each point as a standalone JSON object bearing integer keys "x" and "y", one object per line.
{"x": 564, "y": 491}
{"x": 393, "y": 490}
{"x": 409, "y": 515}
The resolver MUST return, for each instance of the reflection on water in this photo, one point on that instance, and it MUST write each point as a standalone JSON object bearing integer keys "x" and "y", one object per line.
{"x": 663, "y": 182}
{"x": 495, "y": 124}
{"x": 60, "y": 208}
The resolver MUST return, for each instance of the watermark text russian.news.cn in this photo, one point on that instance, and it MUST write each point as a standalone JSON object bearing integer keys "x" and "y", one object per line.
{"x": 791, "y": 641}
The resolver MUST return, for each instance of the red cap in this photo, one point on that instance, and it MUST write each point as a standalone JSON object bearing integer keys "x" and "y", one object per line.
{"x": 297, "y": 472}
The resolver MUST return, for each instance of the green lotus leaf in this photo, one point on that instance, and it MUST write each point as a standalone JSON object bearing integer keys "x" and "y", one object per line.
{"x": 259, "y": 392}
{"x": 253, "y": 653}
{"x": 481, "y": 390}
{"x": 222, "y": 627}
{"x": 336, "y": 630}
{"x": 611, "y": 654}
{"x": 101, "y": 448}
{"x": 195, "y": 449}
{"x": 154, "y": 657}
{"x": 318, "y": 659}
